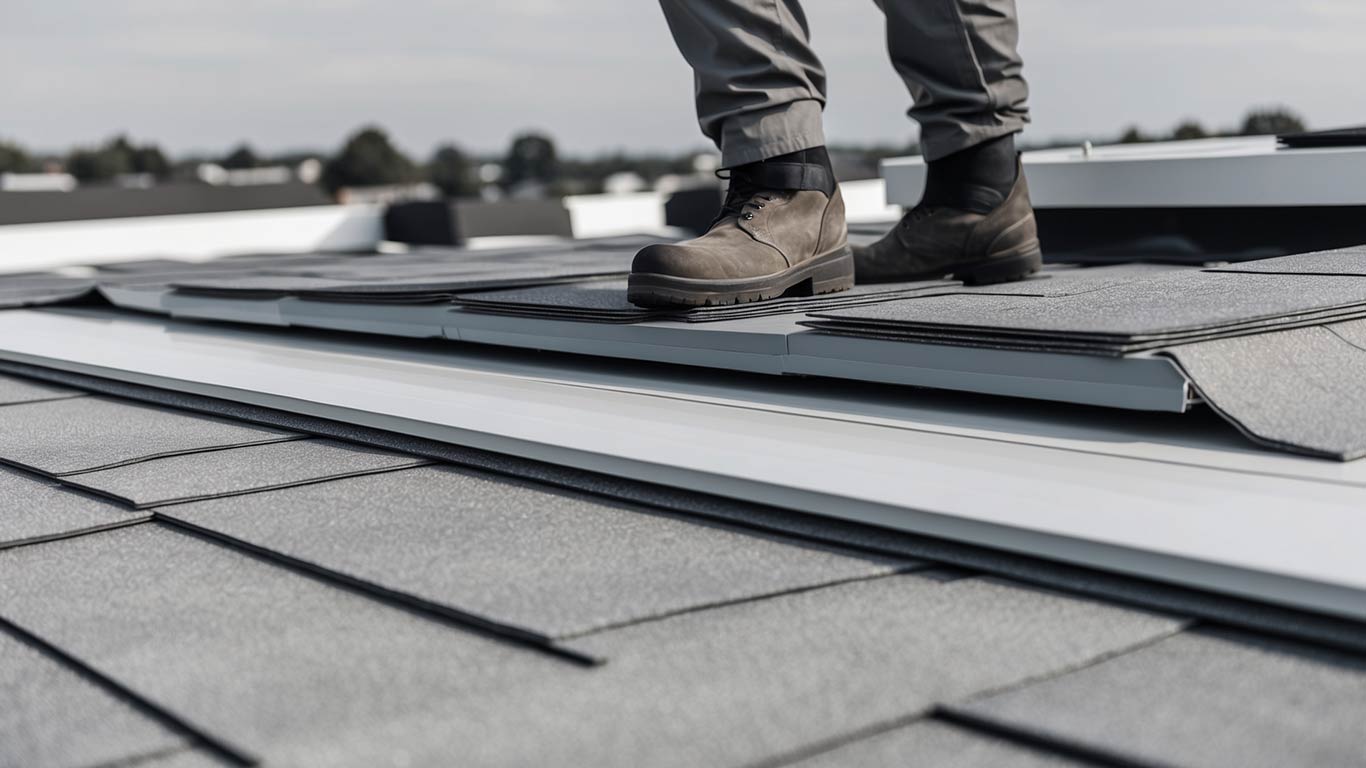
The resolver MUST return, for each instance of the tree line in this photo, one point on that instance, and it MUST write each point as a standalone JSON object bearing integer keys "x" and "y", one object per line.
{"x": 369, "y": 158}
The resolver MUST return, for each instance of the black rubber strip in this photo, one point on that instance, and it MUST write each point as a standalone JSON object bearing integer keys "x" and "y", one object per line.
{"x": 1072, "y": 750}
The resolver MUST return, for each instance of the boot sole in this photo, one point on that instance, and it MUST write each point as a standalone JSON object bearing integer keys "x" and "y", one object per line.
{"x": 1004, "y": 267}
{"x": 1016, "y": 264}
{"x": 827, "y": 273}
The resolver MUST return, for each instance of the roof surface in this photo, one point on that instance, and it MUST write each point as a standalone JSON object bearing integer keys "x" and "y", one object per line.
{"x": 210, "y": 590}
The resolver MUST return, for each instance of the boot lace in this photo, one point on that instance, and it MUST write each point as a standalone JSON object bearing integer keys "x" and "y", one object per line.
{"x": 743, "y": 198}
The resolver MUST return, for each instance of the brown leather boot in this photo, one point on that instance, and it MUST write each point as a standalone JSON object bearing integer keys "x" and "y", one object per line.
{"x": 781, "y": 230}
{"x": 975, "y": 247}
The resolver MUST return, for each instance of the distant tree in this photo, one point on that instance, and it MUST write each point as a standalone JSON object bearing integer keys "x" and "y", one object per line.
{"x": 117, "y": 156}
{"x": 530, "y": 158}
{"x": 150, "y": 160}
{"x": 1133, "y": 135}
{"x": 1189, "y": 129}
{"x": 240, "y": 158}
{"x": 367, "y": 159}
{"x": 1271, "y": 120}
{"x": 101, "y": 163}
{"x": 453, "y": 172}
{"x": 13, "y": 159}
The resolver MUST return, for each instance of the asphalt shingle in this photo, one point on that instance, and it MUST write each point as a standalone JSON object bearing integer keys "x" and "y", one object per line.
{"x": 53, "y": 716}
{"x": 550, "y": 561}
{"x": 34, "y": 509}
{"x": 14, "y": 389}
{"x": 1298, "y": 390}
{"x": 1202, "y": 700}
{"x": 1345, "y": 262}
{"x": 314, "y": 675}
{"x": 932, "y": 743}
{"x": 80, "y": 434}
{"x": 234, "y": 471}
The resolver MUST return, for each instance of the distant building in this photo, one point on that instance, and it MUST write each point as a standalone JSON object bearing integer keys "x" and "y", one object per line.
{"x": 37, "y": 182}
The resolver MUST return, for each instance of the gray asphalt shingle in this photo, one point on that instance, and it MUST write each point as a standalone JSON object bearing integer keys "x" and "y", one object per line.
{"x": 33, "y": 509}
{"x": 314, "y": 675}
{"x": 257, "y": 656}
{"x": 238, "y": 470}
{"x": 85, "y": 433}
{"x": 1166, "y": 309}
{"x": 14, "y": 389}
{"x": 931, "y": 743}
{"x": 542, "y": 559}
{"x": 1298, "y": 390}
{"x": 1202, "y": 700}
{"x": 1345, "y": 262}
{"x": 53, "y": 716}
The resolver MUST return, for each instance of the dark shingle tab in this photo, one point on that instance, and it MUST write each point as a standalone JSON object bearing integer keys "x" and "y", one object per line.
{"x": 293, "y": 669}
{"x": 85, "y": 433}
{"x": 257, "y": 656}
{"x": 53, "y": 716}
{"x": 1298, "y": 390}
{"x": 932, "y": 743}
{"x": 1202, "y": 700}
{"x": 550, "y": 561}
{"x": 14, "y": 389}
{"x": 34, "y": 509}
{"x": 238, "y": 470}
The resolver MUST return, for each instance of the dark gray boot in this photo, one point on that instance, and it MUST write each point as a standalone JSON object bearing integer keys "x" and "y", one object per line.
{"x": 781, "y": 230}
{"x": 976, "y": 247}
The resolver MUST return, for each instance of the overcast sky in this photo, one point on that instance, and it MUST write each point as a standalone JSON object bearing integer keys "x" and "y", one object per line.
{"x": 603, "y": 74}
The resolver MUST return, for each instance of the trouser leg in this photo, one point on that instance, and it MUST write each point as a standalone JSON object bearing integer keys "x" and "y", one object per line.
{"x": 760, "y": 87}
{"x": 960, "y": 61}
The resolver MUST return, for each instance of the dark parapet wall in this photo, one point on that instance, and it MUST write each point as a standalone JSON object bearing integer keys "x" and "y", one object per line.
{"x": 161, "y": 200}
{"x": 1195, "y": 235}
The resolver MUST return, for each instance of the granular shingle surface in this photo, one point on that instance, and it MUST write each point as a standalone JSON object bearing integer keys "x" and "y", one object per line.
{"x": 1202, "y": 700}
{"x": 931, "y": 743}
{"x": 1145, "y": 309}
{"x": 238, "y": 470}
{"x": 262, "y": 658}
{"x": 86, "y": 433}
{"x": 1346, "y": 262}
{"x": 33, "y": 509}
{"x": 551, "y": 561}
{"x": 1298, "y": 389}
{"x": 311, "y": 674}
{"x": 53, "y": 716}
{"x": 14, "y": 389}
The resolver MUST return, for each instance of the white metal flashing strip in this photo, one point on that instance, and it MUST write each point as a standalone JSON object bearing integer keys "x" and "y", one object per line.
{"x": 1279, "y": 529}
{"x": 1243, "y": 172}
{"x": 192, "y": 237}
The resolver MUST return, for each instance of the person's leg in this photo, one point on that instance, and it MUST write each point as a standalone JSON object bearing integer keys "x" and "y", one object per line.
{"x": 760, "y": 90}
{"x": 759, "y": 86}
{"x": 960, "y": 62}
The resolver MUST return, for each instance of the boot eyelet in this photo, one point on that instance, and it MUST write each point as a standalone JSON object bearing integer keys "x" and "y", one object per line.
{"x": 748, "y": 215}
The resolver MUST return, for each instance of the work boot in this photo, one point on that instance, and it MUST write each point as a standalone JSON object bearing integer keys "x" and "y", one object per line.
{"x": 977, "y": 231}
{"x": 780, "y": 231}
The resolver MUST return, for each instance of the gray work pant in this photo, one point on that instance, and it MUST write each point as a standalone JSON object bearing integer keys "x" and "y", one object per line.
{"x": 760, "y": 87}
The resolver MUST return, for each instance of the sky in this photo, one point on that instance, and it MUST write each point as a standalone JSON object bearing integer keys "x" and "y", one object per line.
{"x": 601, "y": 75}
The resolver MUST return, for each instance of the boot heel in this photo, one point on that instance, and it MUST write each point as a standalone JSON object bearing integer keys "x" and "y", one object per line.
{"x": 1002, "y": 270}
{"x": 834, "y": 273}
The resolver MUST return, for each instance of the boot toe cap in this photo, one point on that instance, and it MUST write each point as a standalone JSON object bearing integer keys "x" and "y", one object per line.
{"x": 676, "y": 260}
